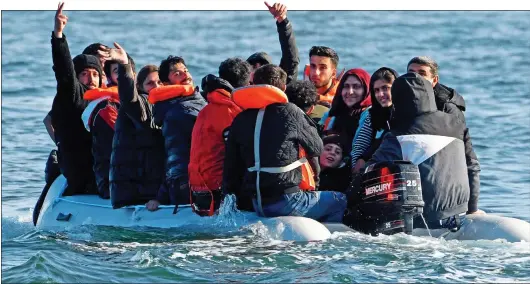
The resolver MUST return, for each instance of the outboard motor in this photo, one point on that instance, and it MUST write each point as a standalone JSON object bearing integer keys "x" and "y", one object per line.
{"x": 391, "y": 197}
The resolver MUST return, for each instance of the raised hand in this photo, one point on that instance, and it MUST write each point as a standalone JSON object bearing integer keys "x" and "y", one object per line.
{"x": 60, "y": 21}
{"x": 117, "y": 54}
{"x": 278, "y": 11}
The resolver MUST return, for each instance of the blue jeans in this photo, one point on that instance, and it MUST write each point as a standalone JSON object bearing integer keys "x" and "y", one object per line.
{"x": 323, "y": 206}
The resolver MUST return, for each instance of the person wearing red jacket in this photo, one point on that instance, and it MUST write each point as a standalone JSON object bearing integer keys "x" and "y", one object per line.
{"x": 207, "y": 154}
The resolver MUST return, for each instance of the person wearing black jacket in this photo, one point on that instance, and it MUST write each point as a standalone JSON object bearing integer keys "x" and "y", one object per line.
{"x": 449, "y": 101}
{"x": 432, "y": 140}
{"x": 138, "y": 156}
{"x": 285, "y": 129}
{"x": 74, "y": 78}
{"x": 290, "y": 58}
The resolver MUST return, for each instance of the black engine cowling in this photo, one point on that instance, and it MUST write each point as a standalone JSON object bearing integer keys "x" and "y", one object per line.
{"x": 390, "y": 197}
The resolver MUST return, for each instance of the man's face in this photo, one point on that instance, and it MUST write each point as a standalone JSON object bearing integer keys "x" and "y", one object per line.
{"x": 89, "y": 77}
{"x": 179, "y": 75}
{"x": 424, "y": 71}
{"x": 321, "y": 70}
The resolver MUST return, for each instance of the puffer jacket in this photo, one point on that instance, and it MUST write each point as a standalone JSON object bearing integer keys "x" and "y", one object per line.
{"x": 176, "y": 114}
{"x": 138, "y": 156}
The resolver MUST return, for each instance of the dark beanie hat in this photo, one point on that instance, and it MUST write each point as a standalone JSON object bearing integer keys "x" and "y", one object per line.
{"x": 83, "y": 61}
{"x": 259, "y": 57}
{"x": 335, "y": 139}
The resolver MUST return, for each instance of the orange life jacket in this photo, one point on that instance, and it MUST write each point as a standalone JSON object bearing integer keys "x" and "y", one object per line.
{"x": 95, "y": 96}
{"x": 259, "y": 97}
{"x": 98, "y": 93}
{"x": 164, "y": 93}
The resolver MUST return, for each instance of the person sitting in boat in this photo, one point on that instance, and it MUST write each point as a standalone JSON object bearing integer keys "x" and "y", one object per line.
{"x": 346, "y": 109}
{"x": 374, "y": 120}
{"x": 432, "y": 140}
{"x": 175, "y": 110}
{"x": 290, "y": 58}
{"x": 207, "y": 140}
{"x": 267, "y": 153}
{"x": 334, "y": 165}
{"x": 74, "y": 78}
{"x": 304, "y": 95}
{"x": 99, "y": 118}
{"x": 322, "y": 71}
{"x": 138, "y": 156}
{"x": 449, "y": 101}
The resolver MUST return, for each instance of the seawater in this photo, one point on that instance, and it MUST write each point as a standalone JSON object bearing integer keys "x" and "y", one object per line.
{"x": 483, "y": 55}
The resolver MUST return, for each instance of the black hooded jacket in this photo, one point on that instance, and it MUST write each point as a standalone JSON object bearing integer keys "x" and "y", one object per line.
{"x": 431, "y": 139}
{"x": 449, "y": 101}
{"x": 138, "y": 157}
{"x": 73, "y": 141}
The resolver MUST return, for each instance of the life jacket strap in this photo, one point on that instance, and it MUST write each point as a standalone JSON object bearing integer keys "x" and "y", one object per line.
{"x": 279, "y": 170}
{"x": 257, "y": 163}
{"x": 87, "y": 113}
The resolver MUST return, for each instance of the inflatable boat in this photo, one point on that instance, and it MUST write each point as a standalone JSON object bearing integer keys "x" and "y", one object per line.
{"x": 62, "y": 212}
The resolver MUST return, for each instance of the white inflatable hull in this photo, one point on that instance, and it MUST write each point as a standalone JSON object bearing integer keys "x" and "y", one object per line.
{"x": 64, "y": 212}
{"x": 476, "y": 227}
{"x": 59, "y": 212}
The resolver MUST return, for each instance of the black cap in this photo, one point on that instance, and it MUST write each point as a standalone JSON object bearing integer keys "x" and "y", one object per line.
{"x": 259, "y": 57}
{"x": 83, "y": 61}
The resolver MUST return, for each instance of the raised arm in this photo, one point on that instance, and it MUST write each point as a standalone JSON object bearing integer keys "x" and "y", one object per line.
{"x": 290, "y": 56}
{"x": 63, "y": 65}
{"x": 127, "y": 90}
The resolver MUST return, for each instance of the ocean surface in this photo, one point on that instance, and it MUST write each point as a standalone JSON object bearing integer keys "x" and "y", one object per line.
{"x": 483, "y": 55}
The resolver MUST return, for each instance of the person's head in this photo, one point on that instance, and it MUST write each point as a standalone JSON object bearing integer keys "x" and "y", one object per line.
{"x": 352, "y": 91}
{"x": 426, "y": 67}
{"x": 257, "y": 60}
{"x": 148, "y": 79}
{"x": 271, "y": 74}
{"x": 413, "y": 95}
{"x": 92, "y": 49}
{"x": 173, "y": 71}
{"x": 323, "y": 63}
{"x": 332, "y": 154}
{"x": 303, "y": 94}
{"x": 111, "y": 70}
{"x": 236, "y": 71}
{"x": 88, "y": 70}
{"x": 381, "y": 85}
